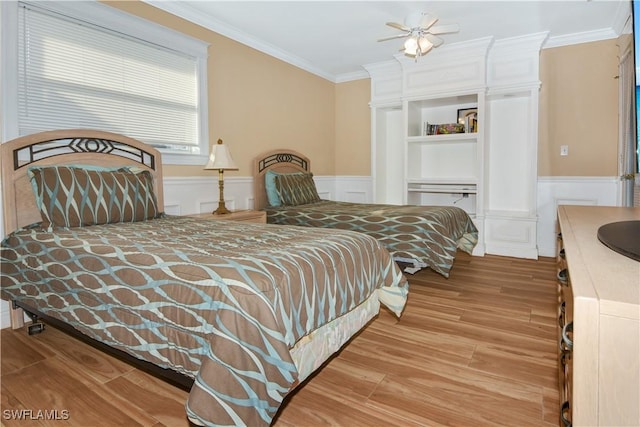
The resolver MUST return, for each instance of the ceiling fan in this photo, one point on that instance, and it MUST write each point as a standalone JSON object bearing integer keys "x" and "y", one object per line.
{"x": 421, "y": 32}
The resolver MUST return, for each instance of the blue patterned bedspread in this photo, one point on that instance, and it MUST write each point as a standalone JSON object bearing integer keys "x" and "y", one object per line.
{"x": 426, "y": 236}
{"x": 220, "y": 301}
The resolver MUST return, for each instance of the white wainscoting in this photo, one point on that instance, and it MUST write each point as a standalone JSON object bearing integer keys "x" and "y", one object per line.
{"x": 510, "y": 233}
{"x": 572, "y": 190}
{"x": 188, "y": 195}
{"x": 184, "y": 196}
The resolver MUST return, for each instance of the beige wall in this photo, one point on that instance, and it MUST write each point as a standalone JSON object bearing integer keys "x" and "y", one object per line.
{"x": 353, "y": 128}
{"x": 259, "y": 103}
{"x": 579, "y": 108}
{"x": 256, "y": 102}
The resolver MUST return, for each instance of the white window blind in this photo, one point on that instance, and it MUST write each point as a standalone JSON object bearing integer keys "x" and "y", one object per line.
{"x": 73, "y": 74}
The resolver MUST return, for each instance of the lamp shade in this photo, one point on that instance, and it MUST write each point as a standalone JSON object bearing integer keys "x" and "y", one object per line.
{"x": 411, "y": 46}
{"x": 417, "y": 46}
{"x": 220, "y": 158}
{"x": 425, "y": 45}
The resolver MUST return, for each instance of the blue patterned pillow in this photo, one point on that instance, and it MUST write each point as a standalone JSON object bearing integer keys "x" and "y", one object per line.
{"x": 38, "y": 193}
{"x": 296, "y": 189}
{"x": 270, "y": 186}
{"x": 71, "y": 196}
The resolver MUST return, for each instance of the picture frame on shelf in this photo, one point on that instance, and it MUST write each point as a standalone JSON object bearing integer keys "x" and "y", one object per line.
{"x": 469, "y": 118}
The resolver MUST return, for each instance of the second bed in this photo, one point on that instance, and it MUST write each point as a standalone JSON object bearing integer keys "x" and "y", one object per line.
{"x": 421, "y": 236}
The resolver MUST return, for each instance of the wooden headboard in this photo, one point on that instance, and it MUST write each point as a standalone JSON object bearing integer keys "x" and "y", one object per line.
{"x": 281, "y": 161}
{"x": 65, "y": 147}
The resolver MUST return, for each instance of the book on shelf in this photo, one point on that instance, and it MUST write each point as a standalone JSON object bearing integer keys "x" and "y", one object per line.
{"x": 471, "y": 123}
{"x": 442, "y": 129}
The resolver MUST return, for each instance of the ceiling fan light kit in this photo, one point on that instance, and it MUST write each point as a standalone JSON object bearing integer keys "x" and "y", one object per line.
{"x": 420, "y": 33}
{"x": 416, "y": 46}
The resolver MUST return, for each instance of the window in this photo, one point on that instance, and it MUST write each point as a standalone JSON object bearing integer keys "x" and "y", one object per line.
{"x": 74, "y": 71}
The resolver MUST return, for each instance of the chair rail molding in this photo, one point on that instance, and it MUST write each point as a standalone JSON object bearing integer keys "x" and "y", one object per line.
{"x": 190, "y": 195}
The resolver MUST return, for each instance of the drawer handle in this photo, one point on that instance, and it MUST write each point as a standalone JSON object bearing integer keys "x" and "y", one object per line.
{"x": 567, "y": 342}
{"x": 565, "y": 408}
{"x": 560, "y": 235}
{"x": 562, "y": 255}
{"x": 564, "y": 357}
{"x": 561, "y": 315}
{"x": 563, "y": 276}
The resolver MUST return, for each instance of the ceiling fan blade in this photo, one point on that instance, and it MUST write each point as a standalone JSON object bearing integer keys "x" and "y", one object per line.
{"x": 397, "y": 36}
{"x": 427, "y": 21}
{"x": 445, "y": 28}
{"x": 434, "y": 40}
{"x": 398, "y": 26}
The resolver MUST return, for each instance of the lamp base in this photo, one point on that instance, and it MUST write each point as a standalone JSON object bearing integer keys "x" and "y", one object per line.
{"x": 222, "y": 210}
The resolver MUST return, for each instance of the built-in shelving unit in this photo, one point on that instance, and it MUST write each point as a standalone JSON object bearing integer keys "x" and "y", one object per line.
{"x": 488, "y": 169}
{"x": 436, "y": 110}
{"x": 443, "y": 168}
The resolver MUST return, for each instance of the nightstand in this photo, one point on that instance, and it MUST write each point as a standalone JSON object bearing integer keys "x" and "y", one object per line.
{"x": 259, "y": 217}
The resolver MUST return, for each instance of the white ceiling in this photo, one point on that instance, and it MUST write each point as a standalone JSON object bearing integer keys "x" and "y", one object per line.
{"x": 334, "y": 39}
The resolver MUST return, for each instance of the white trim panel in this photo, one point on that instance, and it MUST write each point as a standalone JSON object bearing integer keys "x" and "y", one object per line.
{"x": 571, "y": 190}
{"x": 189, "y": 195}
{"x": 511, "y": 234}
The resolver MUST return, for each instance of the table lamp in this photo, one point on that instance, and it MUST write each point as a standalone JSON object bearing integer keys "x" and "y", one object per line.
{"x": 221, "y": 160}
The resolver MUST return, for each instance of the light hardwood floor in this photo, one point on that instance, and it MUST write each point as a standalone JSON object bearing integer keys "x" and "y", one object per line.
{"x": 477, "y": 349}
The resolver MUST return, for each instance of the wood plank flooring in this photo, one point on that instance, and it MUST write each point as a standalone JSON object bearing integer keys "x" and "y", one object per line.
{"x": 477, "y": 349}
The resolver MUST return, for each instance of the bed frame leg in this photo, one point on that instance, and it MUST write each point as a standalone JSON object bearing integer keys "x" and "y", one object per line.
{"x": 36, "y": 326}
{"x": 17, "y": 316}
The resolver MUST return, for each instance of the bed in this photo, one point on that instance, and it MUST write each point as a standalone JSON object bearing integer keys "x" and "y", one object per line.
{"x": 240, "y": 313}
{"x": 416, "y": 236}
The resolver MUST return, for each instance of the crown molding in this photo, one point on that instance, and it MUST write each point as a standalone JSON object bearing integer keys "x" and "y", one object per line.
{"x": 348, "y": 77}
{"x": 186, "y": 12}
{"x": 577, "y": 38}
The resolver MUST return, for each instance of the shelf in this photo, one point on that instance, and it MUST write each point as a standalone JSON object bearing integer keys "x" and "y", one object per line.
{"x": 444, "y": 138}
{"x": 429, "y": 180}
{"x": 450, "y": 190}
{"x": 460, "y": 181}
{"x": 437, "y": 111}
{"x": 443, "y": 169}
{"x": 435, "y": 194}
{"x": 438, "y": 101}
{"x": 442, "y": 186}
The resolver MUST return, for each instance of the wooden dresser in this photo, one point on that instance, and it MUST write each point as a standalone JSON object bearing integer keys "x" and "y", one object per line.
{"x": 599, "y": 313}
